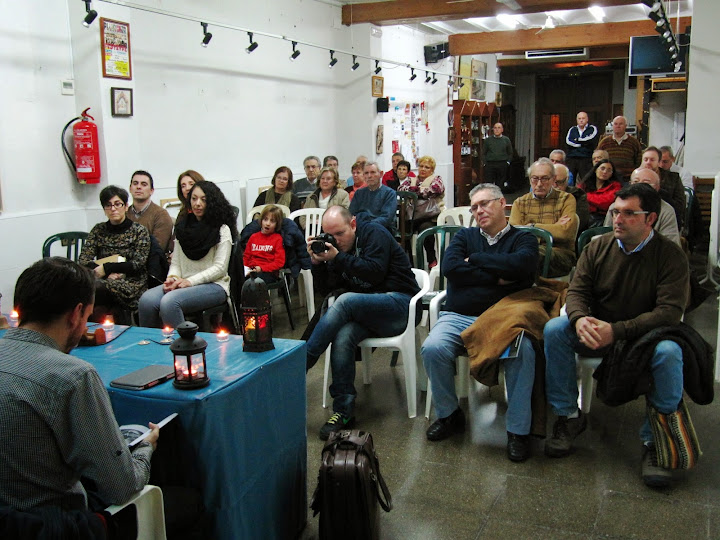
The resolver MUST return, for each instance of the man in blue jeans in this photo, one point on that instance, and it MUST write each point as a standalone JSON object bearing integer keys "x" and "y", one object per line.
{"x": 482, "y": 265}
{"x": 627, "y": 282}
{"x": 372, "y": 266}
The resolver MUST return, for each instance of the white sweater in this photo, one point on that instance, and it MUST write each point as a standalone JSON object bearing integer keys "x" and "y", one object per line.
{"x": 212, "y": 268}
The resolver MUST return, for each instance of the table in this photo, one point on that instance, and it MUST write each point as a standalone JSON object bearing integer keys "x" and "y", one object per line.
{"x": 244, "y": 435}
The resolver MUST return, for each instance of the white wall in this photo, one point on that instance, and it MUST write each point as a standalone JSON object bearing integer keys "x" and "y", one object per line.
{"x": 666, "y": 126}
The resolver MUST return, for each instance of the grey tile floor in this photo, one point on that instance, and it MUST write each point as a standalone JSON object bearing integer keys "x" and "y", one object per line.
{"x": 465, "y": 488}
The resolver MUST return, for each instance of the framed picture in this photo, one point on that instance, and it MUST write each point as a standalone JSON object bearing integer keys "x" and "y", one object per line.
{"x": 451, "y": 95}
{"x": 378, "y": 86}
{"x": 451, "y": 136}
{"x": 115, "y": 49}
{"x": 121, "y": 101}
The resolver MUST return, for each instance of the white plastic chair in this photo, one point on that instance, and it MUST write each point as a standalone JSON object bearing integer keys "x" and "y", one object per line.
{"x": 148, "y": 504}
{"x": 313, "y": 222}
{"x": 460, "y": 215}
{"x": 404, "y": 343}
{"x": 258, "y": 209}
{"x": 173, "y": 208}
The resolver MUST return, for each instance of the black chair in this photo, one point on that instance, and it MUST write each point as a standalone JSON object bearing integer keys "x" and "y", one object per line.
{"x": 235, "y": 271}
{"x": 589, "y": 234}
{"x": 406, "y": 202}
{"x": 283, "y": 285}
{"x": 74, "y": 241}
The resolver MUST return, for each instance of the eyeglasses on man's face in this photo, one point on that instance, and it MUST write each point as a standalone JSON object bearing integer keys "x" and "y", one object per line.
{"x": 544, "y": 179}
{"x": 627, "y": 213}
{"x": 483, "y": 204}
{"x": 110, "y": 206}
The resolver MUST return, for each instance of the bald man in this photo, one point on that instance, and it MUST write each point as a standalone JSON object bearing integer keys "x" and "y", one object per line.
{"x": 581, "y": 140}
{"x": 666, "y": 223}
{"x": 497, "y": 152}
{"x": 625, "y": 150}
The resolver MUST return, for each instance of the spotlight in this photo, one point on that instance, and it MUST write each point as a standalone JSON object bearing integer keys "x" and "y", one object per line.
{"x": 378, "y": 69}
{"x": 355, "y": 64}
{"x": 674, "y": 56}
{"x": 333, "y": 60}
{"x": 207, "y": 36}
{"x": 655, "y": 16}
{"x": 90, "y": 16}
{"x": 654, "y": 5}
{"x": 412, "y": 74}
{"x": 295, "y": 52}
{"x": 461, "y": 84}
{"x": 428, "y": 78}
{"x": 253, "y": 44}
{"x": 450, "y": 81}
{"x": 434, "y": 78}
{"x": 678, "y": 66}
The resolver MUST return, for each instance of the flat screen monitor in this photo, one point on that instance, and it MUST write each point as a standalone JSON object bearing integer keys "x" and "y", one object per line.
{"x": 649, "y": 56}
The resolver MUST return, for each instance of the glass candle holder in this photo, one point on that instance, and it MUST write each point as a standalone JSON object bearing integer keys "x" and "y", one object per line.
{"x": 109, "y": 323}
{"x": 223, "y": 335}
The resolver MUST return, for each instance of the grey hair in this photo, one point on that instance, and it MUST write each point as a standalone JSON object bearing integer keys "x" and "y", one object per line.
{"x": 311, "y": 157}
{"x": 558, "y": 151}
{"x": 543, "y": 161}
{"x": 667, "y": 149}
{"x": 369, "y": 163}
{"x": 558, "y": 166}
{"x": 492, "y": 188}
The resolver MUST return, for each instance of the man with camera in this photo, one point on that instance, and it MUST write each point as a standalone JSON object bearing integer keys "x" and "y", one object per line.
{"x": 376, "y": 272}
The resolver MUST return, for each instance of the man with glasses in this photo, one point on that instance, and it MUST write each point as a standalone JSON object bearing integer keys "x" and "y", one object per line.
{"x": 557, "y": 156}
{"x": 581, "y": 203}
{"x": 482, "y": 265}
{"x": 302, "y": 187}
{"x": 627, "y": 283}
{"x": 551, "y": 210}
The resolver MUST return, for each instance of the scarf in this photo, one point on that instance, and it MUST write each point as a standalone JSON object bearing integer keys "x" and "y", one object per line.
{"x": 196, "y": 237}
{"x": 271, "y": 197}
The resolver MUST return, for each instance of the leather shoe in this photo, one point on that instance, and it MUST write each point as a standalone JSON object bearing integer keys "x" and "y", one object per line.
{"x": 518, "y": 447}
{"x": 442, "y": 428}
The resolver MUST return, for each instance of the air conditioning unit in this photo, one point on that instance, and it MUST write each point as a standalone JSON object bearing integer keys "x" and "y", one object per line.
{"x": 577, "y": 53}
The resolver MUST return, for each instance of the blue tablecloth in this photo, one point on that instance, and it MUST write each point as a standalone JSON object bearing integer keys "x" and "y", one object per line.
{"x": 245, "y": 432}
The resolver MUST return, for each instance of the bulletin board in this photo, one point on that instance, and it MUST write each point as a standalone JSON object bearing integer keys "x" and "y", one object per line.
{"x": 409, "y": 129}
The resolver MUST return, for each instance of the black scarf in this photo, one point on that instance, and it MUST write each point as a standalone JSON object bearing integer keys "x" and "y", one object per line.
{"x": 196, "y": 237}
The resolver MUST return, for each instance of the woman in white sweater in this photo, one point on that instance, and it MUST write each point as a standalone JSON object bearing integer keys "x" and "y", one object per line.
{"x": 198, "y": 276}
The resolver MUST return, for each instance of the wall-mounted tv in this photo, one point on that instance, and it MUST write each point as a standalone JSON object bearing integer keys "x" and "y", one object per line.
{"x": 649, "y": 56}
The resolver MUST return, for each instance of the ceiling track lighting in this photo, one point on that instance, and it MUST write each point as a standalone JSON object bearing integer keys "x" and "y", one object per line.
{"x": 295, "y": 52}
{"x": 412, "y": 74}
{"x": 461, "y": 84}
{"x": 434, "y": 79}
{"x": 333, "y": 60}
{"x": 654, "y": 5}
{"x": 253, "y": 44}
{"x": 355, "y": 64}
{"x": 207, "y": 36}
{"x": 90, "y": 14}
{"x": 378, "y": 69}
{"x": 428, "y": 78}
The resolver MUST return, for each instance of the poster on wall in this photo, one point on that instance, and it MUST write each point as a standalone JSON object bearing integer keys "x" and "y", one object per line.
{"x": 469, "y": 66}
{"x": 115, "y": 49}
{"x": 478, "y": 69}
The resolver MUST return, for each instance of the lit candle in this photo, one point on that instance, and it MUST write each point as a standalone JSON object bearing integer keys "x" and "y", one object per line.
{"x": 108, "y": 324}
{"x": 14, "y": 316}
{"x": 167, "y": 332}
{"x": 223, "y": 335}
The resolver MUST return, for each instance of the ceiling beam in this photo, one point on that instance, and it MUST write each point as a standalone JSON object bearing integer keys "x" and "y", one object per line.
{"x": 580, "y": 35}
{"x": 418, "y": 11}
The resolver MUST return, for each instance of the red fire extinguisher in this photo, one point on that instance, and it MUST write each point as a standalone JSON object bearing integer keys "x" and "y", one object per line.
{"x": 87, "y": 149}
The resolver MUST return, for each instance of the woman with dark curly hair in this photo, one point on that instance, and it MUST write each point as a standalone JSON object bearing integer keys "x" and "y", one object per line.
{"x": 281, "y": 192}
{"x": 118, "y": 284}
{"x": 198, "y": 276}
{"x": 185, "y": 182}
{"x": 601, "y": 184}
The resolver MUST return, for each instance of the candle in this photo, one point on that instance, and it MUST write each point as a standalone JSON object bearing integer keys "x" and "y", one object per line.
{"x": 14, "y": 316}
{"x": 108, "y": 324}
{"x": 167, "y": 332}
{"x": 223, "y": 335}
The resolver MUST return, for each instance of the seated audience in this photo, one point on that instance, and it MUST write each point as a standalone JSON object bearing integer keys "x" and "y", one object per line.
{"x": 375, "y": 202}
{"x": 600, "y": 184}
{"x": 623, "y": 149}
{"x": 431, "y": 191}
{"x": 358, "y": 179}
{"x": 390, "y": 178}
{"x": 198, "y": 276}
{"x": 303, "y": 187}
{"x": 264, "y": 252}
{"x": 581, "y": 204}
{"x": 281, "y": 192}
{"x": 482, "y": 265}
{"x": 551, "y": 210}
{"x": 327, "y": 194}
{"x": 360, "y": 159}
{"x": 558, "y": 156}
{"x": 599, "y": 155}
{"x": 671, "y": 187}
{"x": 332, "y": 162}
{"x": 185, "y": 181}
{"x": 55, "y": 415}
{"x": 145, "y": 212}
{"x": 119, "y": 284}
{"x": 667, "y": 162}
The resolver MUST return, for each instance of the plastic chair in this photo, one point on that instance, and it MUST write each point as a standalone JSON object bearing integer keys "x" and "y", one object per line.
{"x": 405, "y": 343}
{"x": 460, "y": 215}
{"x": 257, "y": 210}
{"x": 548, "y": 239}
{"x": 689, "y": 198}
{"x": 148, "y": 504}
{"x": 74, "y": 240}
{"x": 313, "y": 226}
{"x": 588, "y": 235}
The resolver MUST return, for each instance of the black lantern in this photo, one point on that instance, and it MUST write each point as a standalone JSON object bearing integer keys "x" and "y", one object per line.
{"x": 189, "y": 358}
{"x": 256, "y": 322}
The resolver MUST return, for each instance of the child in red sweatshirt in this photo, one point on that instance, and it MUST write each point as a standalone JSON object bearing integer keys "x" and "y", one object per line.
{"x": 265, "y": 253}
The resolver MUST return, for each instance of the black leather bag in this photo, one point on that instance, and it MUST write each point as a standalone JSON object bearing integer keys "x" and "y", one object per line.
{"x": 350, "y": 487}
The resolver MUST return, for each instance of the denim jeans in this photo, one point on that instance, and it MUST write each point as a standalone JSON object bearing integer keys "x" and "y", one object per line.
{"x": 444, "y": 344}
{"x": 158, "y": 308}
{"x": 352, "y": 318}
{"x": 561, "y": 340}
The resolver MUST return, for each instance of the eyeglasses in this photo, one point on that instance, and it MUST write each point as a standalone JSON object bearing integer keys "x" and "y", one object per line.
{"x": 627, "y": 213}
{"x": 543, "y": 179}
{"x": 113, "y": 205}
{"x": 561, "y": 181}
{"x": 483, "y": 204}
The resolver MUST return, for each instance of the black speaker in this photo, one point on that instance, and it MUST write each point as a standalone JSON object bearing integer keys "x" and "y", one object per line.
{"x": 435, "y": 53}
{"x": 383, "y": 104}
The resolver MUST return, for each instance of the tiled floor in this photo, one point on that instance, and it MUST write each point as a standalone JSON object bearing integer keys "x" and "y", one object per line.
{"x": 465, "y": 488}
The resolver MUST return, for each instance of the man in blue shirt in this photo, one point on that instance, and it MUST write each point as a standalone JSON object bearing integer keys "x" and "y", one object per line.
{"x": 375, "y": 202}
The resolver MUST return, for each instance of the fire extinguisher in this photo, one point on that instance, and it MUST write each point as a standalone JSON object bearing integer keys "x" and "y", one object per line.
{"x": 87, "y": 148}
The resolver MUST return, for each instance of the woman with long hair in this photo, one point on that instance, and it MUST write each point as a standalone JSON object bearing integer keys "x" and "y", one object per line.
{"x": 281, "y": 192}
{"x": 600, "y": 184}
{"x": 185, "y": 182}
{"x": 198, "y": 276}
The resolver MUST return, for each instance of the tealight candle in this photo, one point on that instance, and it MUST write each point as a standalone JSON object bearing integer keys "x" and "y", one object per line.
{"x": 223, "y": 335}
{"x": 167, "y": 332}
{"x": 108, "y": 324}
{"x": 14, "y": 316}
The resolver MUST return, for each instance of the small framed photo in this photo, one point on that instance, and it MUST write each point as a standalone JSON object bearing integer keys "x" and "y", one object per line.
{"x": 121, "y": 100}
{"x": 451, "y": 136}
{"x": 378, "y": 86}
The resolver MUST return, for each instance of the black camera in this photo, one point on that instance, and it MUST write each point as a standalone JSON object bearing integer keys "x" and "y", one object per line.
{"x": 318, "y": 244}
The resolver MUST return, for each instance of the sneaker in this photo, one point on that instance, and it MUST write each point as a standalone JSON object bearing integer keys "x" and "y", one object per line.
{"x": 652, "y": 474}
{"x": 337, "y": 422}
{"x": 564, "y": 432}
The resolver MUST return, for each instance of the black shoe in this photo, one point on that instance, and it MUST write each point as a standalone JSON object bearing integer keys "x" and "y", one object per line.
{"x": 336, "y": 422}
{"x": 564, "y": 432}
{"x": 652, "y": 474}
{"x": 518, "y": 447}
{"x": 442, "y": 428}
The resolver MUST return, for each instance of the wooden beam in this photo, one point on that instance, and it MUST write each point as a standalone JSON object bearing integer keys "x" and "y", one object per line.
{"x": 580, "y": 35}
{"x": 418, "y": 11}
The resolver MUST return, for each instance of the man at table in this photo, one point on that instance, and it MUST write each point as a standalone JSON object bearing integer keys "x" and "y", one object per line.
{"x": 56, "y": 421}
{"x": 375, "y": 270}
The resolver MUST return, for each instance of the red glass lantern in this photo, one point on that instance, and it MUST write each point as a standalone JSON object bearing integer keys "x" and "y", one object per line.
{"x": 189, "y": 358}
{"x": 255, "y": 315}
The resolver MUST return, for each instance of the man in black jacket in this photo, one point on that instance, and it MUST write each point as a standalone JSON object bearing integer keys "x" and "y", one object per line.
{"x": 377, "y": 273}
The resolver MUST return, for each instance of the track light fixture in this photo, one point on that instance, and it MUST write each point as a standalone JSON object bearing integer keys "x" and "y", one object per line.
{"x": 655, "y": 16}
{"x": 90, "y": 16}
{"x": 253, "y": 44}
{"x": 333, "y": 60}
{"x": 678, "y": 66}
{"x": 355, "y": 64}
{"x": 412, "y": 74}
{"x": 295, "y": 52}
{"x": 461, "y": 84}
{"x": 434, "y": 79}
{"x": 428, "y": 78}
{"x": 207, "y": 36}
{"x": 654, "y": 5}
{"x": 378, "y": 69}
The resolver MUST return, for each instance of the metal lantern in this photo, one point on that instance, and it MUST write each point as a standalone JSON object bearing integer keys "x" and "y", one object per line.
{"x": 255, "y": 313}
{"x": 189, "y": 358}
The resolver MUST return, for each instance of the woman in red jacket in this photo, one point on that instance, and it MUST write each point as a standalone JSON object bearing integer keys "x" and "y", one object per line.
{"x": 601, "y": 184}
